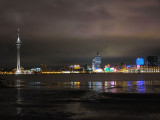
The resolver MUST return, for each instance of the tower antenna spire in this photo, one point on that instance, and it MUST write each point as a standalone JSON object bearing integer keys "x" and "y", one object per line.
{"x": 18, "y": 35}
{"x": 18, "y": 31}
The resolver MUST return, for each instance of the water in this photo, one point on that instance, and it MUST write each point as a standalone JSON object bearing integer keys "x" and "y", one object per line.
{"x": 80, "y": 96}
{"x": 134, "y": 83}
{"x": 97, "y": 86}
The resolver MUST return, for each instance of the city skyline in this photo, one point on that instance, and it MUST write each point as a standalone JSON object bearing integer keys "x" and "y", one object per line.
{"x": 71, "y": 32}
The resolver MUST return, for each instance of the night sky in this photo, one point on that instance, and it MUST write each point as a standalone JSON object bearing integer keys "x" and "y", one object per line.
{"x": 59, "y": 32}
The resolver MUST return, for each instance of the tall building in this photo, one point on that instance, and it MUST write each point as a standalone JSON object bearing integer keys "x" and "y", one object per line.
{"x": 152, "y": 61}
{"x": 93, "y": 65}
{"x": 139, "y": 63}
{"x": 18, "y": 44}
{"x": 96, "y": 62}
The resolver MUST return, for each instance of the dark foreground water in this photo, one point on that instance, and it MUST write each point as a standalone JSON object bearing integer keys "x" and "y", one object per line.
{"x": 80, "y": 97}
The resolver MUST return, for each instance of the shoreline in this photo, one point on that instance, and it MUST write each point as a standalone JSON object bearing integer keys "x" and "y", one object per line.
{"x": 52, "y": 73}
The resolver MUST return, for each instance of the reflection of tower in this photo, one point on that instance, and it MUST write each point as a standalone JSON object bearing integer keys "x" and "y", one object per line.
{"x": 19, "y": 99}
{"x": 18, "y": 43}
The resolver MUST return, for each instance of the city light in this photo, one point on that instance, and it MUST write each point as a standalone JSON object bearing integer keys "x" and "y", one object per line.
{"x": 139, "y": 61}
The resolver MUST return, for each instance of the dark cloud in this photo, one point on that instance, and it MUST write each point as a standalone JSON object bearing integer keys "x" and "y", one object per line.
{"x": 72, "y": 31}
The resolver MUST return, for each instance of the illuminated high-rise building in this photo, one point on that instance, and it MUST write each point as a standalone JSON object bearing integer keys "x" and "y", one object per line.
{"x": 152, "y": 61}
{"x": 139, "y": 63}
{"x": 96, "y": 62}
{"x": 18, "y": 43}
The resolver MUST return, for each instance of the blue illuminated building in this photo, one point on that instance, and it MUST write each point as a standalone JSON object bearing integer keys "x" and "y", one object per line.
{"x": 139, "y": 61}
{"x": 96, "y": 62}
{"x": 128, "y": 66}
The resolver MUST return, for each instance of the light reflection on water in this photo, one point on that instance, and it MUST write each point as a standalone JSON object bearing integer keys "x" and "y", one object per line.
{"x": 97, "y": 86}
{"x": 43, "y": 98}
{"x": 141, "y": 86}
{"x": 19, "y": 98}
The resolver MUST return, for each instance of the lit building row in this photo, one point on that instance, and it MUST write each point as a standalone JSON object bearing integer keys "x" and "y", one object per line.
{"x": 142, "y": 66}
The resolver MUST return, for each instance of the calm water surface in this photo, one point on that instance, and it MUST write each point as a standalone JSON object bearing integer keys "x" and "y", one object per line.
{"x": 76, "y": 97}
{"x": 97, "y": 85}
